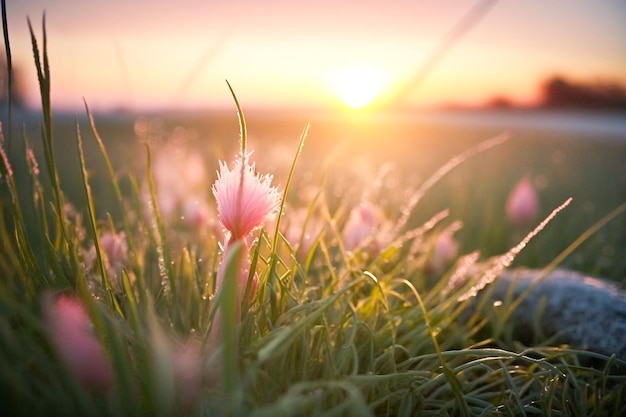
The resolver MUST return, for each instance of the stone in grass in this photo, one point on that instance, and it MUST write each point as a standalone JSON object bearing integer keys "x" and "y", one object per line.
{"x": 582, "y": 311}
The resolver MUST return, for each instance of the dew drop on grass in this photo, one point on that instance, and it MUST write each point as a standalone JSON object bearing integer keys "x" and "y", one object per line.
{"x": 503, "y": 261}
{"x": 162, "y": 269}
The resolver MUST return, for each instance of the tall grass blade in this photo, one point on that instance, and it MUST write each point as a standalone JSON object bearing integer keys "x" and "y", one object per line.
{"x": 292, "y": 170}
{"x": 168, "y": 283}
{"x": 43, "y": 76}
{"x": 113, "y": 177}
{"x": 230, "y": 329}
{"x": 106, "y": 282}
{"x": 243, "y": 130}
{"x": 505, "y": 260}
{"x": 9, "y": 62}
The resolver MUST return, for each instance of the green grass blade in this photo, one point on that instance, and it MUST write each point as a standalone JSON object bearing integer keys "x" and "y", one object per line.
{"x": 9, "y": 62}
{"x": 113, "y": 177}
{"x": 106, "y": 282}
{"x": 43, "y": 76}
{"x": 243, "y": 130}
{"x": 229, "y": 329}
{"x": 168, "y": 283}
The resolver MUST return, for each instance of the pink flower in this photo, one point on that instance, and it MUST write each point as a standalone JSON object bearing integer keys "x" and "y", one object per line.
{"x": 187, "y": 363}
{"x": 443, "y": 252}
{"x": 115, "y": 248}
{"x": 245, "y": 199}
{"x": 522, "y": 205}
{"x": 363, "y": 222}
{"x": 196, "y": 213}
{"x": 72, "y": 335}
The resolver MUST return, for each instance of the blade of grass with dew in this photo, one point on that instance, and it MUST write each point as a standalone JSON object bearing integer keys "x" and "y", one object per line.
{"x": 503, "y": 261}
{"x": 292, "y": 171}
{"x": 113, "y": 177}
{"x": 106, "y": 281}
{"x": 279, "y": 340}
{"x": 621, "y": 209}
{"x": 283, "y": 202}
{"x": 272, "y": 264}
{"x": 159, "y": 237}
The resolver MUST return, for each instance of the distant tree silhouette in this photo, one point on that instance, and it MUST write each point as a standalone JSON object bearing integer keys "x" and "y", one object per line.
{"x": 18, "y": 94}
{"x": 561, "y": 93}
{"x": 499, "y": 102}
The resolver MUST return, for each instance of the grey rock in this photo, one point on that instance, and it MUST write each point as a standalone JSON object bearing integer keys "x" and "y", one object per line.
{"x": 583, "y": 311}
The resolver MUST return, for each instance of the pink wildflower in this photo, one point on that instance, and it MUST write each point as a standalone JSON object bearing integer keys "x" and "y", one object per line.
{"x": 522, "y": 205}
{"x": 363, "y": 222}
{"x": 115, "y": 248}
{"x": 245, "y": 199}
{"x": 443, "y": 252}
{"x": 187, "y": 362}
{"x": 72, "y": 335}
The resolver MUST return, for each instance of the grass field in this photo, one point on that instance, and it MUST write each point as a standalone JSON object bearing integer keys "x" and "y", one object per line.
{"x": 588, "y": 166}
{"x": 137, "y": 281}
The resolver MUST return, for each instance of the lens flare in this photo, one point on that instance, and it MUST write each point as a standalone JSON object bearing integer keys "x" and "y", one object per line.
{"x": 359, "y": 86}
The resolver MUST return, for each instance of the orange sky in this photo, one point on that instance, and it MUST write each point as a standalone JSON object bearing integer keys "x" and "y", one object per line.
{"x": 285, "y": 53}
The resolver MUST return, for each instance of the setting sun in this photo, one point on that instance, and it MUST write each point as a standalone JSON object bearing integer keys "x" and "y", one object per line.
{"x": 358, "y": 86}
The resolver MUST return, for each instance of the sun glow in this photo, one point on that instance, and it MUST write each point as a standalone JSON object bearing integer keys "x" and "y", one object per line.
{"x": 359, "y": 86}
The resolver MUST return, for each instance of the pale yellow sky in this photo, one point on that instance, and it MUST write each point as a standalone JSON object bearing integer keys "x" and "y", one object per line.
{"x": 162, "y": 54}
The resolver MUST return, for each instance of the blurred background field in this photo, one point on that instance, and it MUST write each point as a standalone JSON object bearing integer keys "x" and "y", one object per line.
{"x": 564, "y": 154}
{"x": 396, "y": 85}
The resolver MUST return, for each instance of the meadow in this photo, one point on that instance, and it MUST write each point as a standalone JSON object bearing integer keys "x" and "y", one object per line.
{"x": 136, "y": 280}
{"x": 562, "y": 161}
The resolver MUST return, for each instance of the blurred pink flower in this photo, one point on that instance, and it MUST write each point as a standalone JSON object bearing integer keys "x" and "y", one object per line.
{"x": 522, "y": 206}
{"x": 245, "y": 199}
{"x": 188, "y": 366}
{"x": 196, "y": 213}
{"x": 115, "y": 248}
{"x": 363, "y": 223}
{"x": 443, "y": 252}
{"x": 73, "y": 337}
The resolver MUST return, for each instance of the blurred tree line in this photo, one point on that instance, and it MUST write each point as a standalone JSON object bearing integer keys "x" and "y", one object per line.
{"x": 559, "y": 92}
